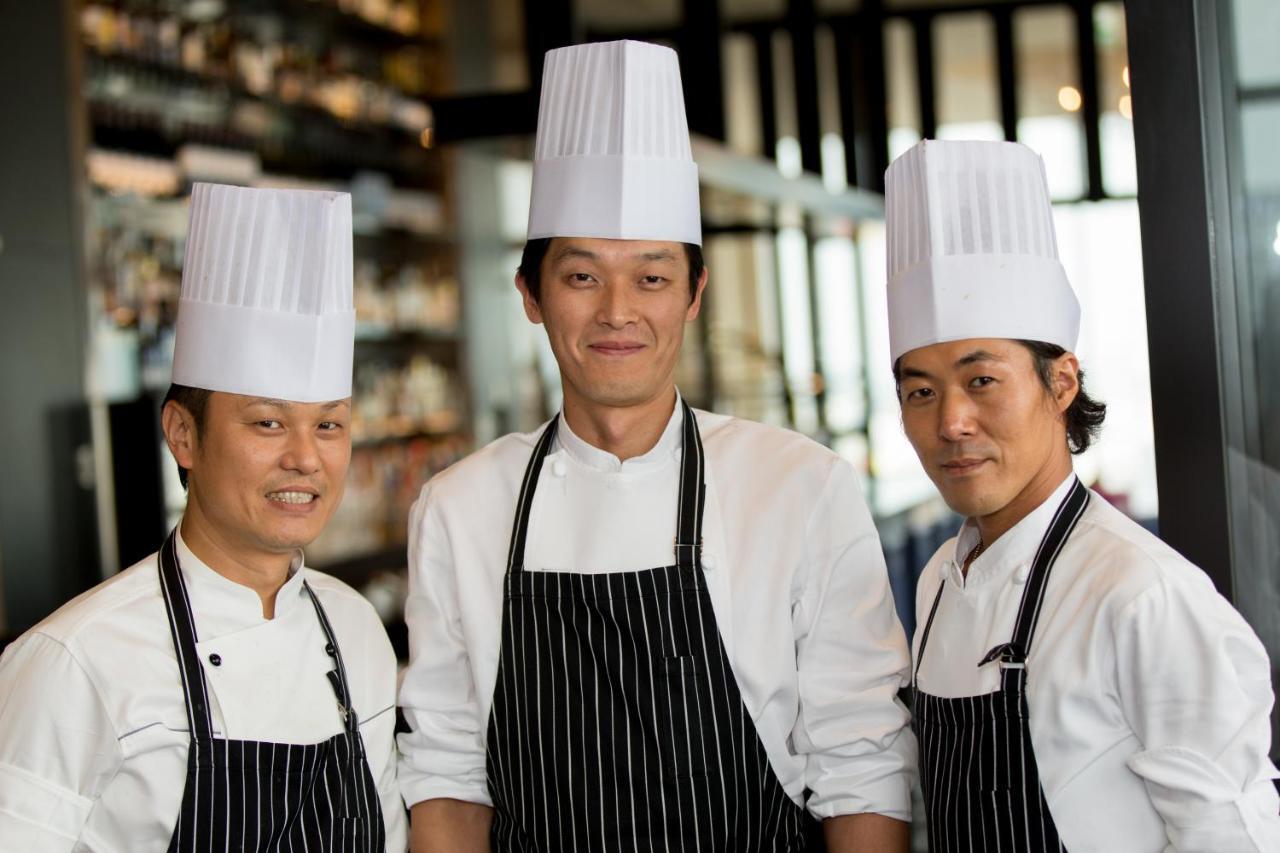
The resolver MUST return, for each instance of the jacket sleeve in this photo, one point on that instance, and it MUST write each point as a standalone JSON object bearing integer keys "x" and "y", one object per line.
{"x": 852, "y": 659}
{"x": 443, "y": 754}
{"x": 1195, "y": 685}
{"x": 58, "y": 747}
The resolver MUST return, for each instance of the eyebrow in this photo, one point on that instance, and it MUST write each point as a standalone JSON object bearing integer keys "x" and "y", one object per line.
{"x": 575, "y": 252}
{"x": 285, "y": 404}
{"x": 978, "y": 356}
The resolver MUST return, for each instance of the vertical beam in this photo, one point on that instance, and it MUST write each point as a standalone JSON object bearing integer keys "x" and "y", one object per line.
{"x": 923, "y": 26}
{"x": 547, "y": 24}
{"x": 802, "y": 22}
{"x": 1087, "y": 55}
{"x": 846, "y": 94}
{"x": 43, "y": 327}
{"x": 763, "y": 38}
{"x": 1007, "y": 66}
{"x": 867, "y": 137}
{"x": 703, "y": 74}
{"x": 1186, "y": 256}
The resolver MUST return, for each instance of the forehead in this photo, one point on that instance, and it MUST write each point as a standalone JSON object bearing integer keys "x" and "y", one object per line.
{"x": 241, "y": 402}
{"x": 613, "y": 251}
{"x": 939, "y": 359}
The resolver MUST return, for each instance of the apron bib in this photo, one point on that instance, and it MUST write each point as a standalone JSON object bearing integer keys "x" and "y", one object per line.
{"x": 977, "y": 766}
{"x": 617, "y": 723}
{"x": 249, "y": 795}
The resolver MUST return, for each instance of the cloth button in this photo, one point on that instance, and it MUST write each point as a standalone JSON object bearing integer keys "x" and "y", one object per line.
{"x": 559, "y": 468}
{"x": 1020, "y": 576}
{"x": 329, "y": 650}
{"x": 215, "y": 659}
{"x": 708, "y": 561}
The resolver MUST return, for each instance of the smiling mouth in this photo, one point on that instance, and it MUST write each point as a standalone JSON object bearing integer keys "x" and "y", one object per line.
{"x": 297, "y": 498}
{"x": 962, "y": 466}
{"x": 616, "y": 349}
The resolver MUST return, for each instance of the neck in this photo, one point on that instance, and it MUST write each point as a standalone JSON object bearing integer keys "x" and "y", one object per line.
{"x": 1035, "y": 492}
{"x": 263, "y": 572}
{"x": 626, "y": 432}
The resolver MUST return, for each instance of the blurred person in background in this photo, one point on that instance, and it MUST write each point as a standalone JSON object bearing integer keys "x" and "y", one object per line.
{"x": 219, "y": 694}
{"x": 562, "y": 692}
{"x": 1078, "y": 683}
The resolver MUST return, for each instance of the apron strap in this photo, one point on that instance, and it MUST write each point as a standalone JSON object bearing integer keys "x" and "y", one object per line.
{"x": 924, "y": 638}
{"x": 690, "y": 506}
{"x": 1013, "y": 654}
{"x": 182, "y": 627}
{"x": 338, "y": 675}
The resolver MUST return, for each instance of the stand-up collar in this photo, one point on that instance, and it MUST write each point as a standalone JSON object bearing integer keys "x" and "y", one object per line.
{"x": 662, "y": 453}
{"x": 222, "y": 606}
{"x": 1012, "y": 552}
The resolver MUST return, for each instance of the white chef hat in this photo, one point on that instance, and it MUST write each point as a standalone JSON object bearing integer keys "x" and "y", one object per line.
{"x": 971, "y": 248}
{"x": 266, "y": 304}
{"x": 612, "y": 157}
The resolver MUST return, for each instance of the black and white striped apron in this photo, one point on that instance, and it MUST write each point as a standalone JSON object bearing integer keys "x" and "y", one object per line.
{"x": 982, "y": 790}
{"x": 617, "y": 723}
{"x": 250, "y": 795}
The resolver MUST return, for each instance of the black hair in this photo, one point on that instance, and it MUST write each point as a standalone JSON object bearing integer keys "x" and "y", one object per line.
{"x": 535, "y": 252}
{"x": 195, "y": 401}
{"x": 1083, "y": 417}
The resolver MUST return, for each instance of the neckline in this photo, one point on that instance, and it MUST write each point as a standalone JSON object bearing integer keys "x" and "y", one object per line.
{"x": 663, "y": 452}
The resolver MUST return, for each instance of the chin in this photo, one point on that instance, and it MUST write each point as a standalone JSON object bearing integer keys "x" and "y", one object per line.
{"x": 972, "y": 500}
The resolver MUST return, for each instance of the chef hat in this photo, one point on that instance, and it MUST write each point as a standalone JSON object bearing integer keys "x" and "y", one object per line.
{"x": 612, "y": 157}
{"x": 971, "y": 248}
{"x": 266, "y": 308}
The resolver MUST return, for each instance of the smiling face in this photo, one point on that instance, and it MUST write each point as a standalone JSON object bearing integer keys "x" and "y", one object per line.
{"x": 265, "y": 475}
{"x": 989, "y": 434}
{"x": 615, "y": 312}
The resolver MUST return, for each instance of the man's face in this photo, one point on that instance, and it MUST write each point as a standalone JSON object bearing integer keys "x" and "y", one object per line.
{"x": 981, "y": 421}
{"x": 268, "y": 474}
{"x": 615, "y": 312}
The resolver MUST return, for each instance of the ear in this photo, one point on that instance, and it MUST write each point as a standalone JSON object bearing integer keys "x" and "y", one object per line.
{"x": 695, "y": 307}
{"x": 532, "y": 309}
{"x": 1066, "y": 381}
{"x": 179, "y": 430}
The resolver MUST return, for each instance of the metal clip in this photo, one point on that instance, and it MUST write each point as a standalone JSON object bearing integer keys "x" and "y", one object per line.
{"x": 342, "y": 709}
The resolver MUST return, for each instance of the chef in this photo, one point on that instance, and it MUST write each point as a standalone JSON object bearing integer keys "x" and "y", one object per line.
{"x": 220, "y": 695}
{"x": 1078, "y": 684}
{"x": 642, "y": 627}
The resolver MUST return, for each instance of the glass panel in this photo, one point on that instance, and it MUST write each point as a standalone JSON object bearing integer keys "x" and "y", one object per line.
{"x": 965, "y": 68}
{"x": 741, "y": 95}
{"x": 1253, "y": 469}
{"x": 840, "y": 333}
{"x": 1049, "y": 99}
{"x": 1115, "y": 108}
{"x": 797, "y": 326}
{"x": 901, "y": 82}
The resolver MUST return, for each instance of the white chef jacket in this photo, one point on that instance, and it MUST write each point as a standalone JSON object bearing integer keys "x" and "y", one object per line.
{"x": 1148, "y": 694}
{"x": 796, "y": 576}
{"x": 93, "y": 724}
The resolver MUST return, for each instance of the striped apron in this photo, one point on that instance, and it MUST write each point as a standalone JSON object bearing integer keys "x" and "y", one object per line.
{"x": 616, "y": 722}
{"x": 977, "y": 766}
{"x": 250, "y": 795}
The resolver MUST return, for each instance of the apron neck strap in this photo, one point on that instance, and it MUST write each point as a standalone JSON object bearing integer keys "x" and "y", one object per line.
{"x": 1013, "y": 654}
{"x": 338, "y": 675}
{"x": 182, "y": 626}
{"x": 690, "y": 506}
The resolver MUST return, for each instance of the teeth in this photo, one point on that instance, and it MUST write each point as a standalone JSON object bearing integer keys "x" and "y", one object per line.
{"x": 292, "y": 497}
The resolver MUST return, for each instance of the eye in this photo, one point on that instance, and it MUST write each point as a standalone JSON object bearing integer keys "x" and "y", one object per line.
{"x": 580, "y": 278}
{"x": 982, "y": 381}
{"x": 920, "y": 394}
{"x": 653, "y": 280}
{"x": 272, "y": 425}
{"x": 330, "y": 426}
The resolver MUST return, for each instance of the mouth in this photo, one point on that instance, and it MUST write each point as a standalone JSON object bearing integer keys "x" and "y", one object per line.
{"x": 961, "y": 467}
{"x": 293, "y": 498}
{"x": 616, "y": 349}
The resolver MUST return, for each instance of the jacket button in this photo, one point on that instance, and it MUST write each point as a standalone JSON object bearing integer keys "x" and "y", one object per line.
{"x": 329, "y": 650}
{"x": 708, "y": 561}
{"x": 215, "y": 659}
{"x": 558, "y": 468}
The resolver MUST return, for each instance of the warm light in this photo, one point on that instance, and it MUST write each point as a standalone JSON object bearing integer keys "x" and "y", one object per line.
{"x": 1126, "y": 106}
{"x": 1069, "y": 98}
{"x": 427, "y": 137}
{"x": 1124, "y": 75}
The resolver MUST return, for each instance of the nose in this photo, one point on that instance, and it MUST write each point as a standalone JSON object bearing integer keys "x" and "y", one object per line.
{"x": 617, "y": 307}
{"x": 955, "y": 417}
{"x": 302, "y": 454}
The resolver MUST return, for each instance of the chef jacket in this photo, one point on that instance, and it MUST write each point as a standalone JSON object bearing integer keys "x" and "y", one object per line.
{"x": 93, "y": 722}
{"x": 1148, "y": 694}
{"x": 796, "y": 576}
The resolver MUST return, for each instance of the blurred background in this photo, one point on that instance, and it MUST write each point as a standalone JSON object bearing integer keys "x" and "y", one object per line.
{"x": 1157, "y": 123}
